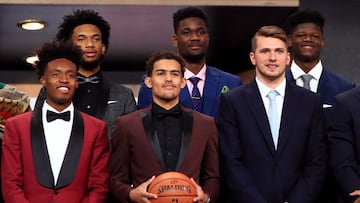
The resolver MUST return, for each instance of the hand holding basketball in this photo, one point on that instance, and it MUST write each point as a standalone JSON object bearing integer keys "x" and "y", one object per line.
{"x": 139, "y": 194}
{"x": 173, "y": 187}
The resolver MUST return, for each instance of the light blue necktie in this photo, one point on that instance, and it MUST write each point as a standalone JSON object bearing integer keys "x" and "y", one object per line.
{"x": 195, "y": 94}
{"x": 273, "y": 116}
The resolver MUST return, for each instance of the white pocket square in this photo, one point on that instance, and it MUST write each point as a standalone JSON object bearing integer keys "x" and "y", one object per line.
{"x": 327, "y": 106}
{"x": 111, "y": 102}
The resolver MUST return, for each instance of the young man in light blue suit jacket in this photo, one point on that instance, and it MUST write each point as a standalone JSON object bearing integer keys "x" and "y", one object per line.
{"x": 192, "y": 40}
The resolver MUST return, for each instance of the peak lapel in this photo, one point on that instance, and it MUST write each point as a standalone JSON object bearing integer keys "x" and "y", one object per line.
{"x": 188, "y": 117}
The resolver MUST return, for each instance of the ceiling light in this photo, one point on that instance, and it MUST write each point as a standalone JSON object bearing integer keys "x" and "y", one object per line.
{"x": 32, "y": 24}
{"x": 32, "y": 59}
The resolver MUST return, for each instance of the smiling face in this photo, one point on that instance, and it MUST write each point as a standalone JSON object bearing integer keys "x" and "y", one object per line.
{"x": 166, "y": 82}
{"x": 88, "y": 38}
{"x": 60, "y": 82}
{"x": 270, "y": 58}
{"x": 306, "y": 42}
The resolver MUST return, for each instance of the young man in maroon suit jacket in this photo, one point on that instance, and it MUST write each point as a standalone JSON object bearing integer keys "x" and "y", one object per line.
{"x": 164, "y": 137}
{"x": 56, "y": 153}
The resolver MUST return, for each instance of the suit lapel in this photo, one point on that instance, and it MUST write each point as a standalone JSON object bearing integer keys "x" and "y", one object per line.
{"x": 102, "y": 99}
{"x": 73, "y": 152}
{"x": 256, "y": 106}
{"x": 39, "y": 150}
{"x": 185, "y": 141}
{"x": 287, "y": 115}
{"x": 210, "y": 93}
{"x": 152, "y": 136}
{"x": 185, "y": 97}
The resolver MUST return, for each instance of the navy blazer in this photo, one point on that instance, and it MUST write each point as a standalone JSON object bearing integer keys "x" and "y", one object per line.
{"x": 251, "y": 168}
{"x": 215, "y": 81}
{"x": 344, "y": 138}
{"x": 329, "y": 86}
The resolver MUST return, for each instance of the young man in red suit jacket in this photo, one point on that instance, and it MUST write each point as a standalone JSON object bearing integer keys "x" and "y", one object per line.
{"x": 56, "y": 153}
{"x": 164, "y": 137}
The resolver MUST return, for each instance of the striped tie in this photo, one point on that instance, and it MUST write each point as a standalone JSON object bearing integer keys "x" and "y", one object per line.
{"x": 195, "y": 95}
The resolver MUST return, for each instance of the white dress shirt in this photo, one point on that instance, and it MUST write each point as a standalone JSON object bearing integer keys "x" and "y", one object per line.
{"x": 57, "y": 134}
{"x": 297, "y": 72}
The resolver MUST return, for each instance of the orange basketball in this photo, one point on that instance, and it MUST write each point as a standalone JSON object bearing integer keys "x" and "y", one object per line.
{"x": 172, "y": 187}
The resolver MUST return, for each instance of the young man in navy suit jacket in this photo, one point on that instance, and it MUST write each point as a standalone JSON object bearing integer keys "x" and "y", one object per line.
{"x": 192, "y": 40}
{"x": 263, "y": 163}
{"x": 306, "y": 39}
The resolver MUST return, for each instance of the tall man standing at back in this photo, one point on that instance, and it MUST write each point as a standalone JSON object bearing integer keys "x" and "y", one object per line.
{"x": 204, "y": 83}
{"x": 96, "y": 95}
{"x": 306, "y": 39}
{"x": 271, "y": 133}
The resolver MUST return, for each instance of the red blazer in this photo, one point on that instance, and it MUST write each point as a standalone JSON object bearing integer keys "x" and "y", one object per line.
{"x": 26, "y": 171}
{"x": 136, "y": 154}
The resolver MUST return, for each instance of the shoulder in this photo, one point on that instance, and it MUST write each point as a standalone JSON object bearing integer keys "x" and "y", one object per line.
{"x": 136, "y": 115}
{"x": 349, "y": 96}
{"x": 92, "y": 120}
{"x": 20, "y": 118}
{"x": 336, "y": 79}
{"x": 223, "y": 74}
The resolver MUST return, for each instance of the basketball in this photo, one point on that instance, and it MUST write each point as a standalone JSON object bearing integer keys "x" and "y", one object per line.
{"x": 172, "y": 187}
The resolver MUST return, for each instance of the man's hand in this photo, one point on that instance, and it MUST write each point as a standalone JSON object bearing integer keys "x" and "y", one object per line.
{"x": 140, "y": 195}
{"x": 201, "y": 196}
{"x": 356, "y": 193}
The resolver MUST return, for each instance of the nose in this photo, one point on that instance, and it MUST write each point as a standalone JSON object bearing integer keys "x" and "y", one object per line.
{"x": 272, "y": 56}
{"x": 89, "y": 43}
{"x": 63, "y": 78}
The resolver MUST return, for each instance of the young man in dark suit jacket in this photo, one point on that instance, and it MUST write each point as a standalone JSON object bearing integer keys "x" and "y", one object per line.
{"x": 163, "y": 137}
{"x": 56, "y": 153}
{"x": 96, "y": 95}
{"x": 306, "y": 39}
{"x": 271, "y": 152}
{"x": 192, "y": 40}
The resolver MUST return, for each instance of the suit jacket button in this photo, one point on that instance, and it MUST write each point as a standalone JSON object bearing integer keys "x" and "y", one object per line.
{"x": 56, "y": 192}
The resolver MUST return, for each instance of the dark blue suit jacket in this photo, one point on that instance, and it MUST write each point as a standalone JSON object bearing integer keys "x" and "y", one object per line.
{"x": 251, "y": 168}
{"x": 329, "y": 86}
{"x": 215, "y": 81}
{"x": 344, "y": 138}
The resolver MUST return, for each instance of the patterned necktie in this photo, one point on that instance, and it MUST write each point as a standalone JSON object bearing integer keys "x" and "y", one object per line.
{"x": 306, "y": 79}
{"x": 195, "y": 95}
{"x": 51, "y": 116}
{"x": 82, "y": 80}
{"x": 273, "y": 116}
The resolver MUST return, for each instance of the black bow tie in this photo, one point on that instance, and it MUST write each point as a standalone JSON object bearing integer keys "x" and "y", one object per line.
{"x": 93, "y": 79}
{"x": 51, "y": 116}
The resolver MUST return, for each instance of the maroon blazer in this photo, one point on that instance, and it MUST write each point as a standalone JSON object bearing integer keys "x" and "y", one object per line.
{"x": 26, "y": 172}
{"x": 136, "y": 154}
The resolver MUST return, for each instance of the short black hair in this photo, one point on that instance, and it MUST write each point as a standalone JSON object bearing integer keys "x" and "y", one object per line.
{"x": 305, "y": 16}
{"x": 188, "y": 12}
{"x": 163, "y": 55}
{"x": 81, "y": 17}
{"x": 50, "y": 51}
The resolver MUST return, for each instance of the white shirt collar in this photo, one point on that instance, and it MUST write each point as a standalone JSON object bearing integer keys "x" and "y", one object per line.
{"x": 298, "y": 72}
{"x": 264, "y": 90}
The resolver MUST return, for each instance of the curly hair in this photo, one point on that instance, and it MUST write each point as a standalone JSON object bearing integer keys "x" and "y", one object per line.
{"x": 80, "y": 17}
{"x": 187, "y": 13}
{"x": 305, "y": 16}
{"x": 50, "y": 51}
{"x": 163, "y": 55}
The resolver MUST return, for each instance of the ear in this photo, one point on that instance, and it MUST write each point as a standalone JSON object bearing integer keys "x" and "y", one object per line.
{"x": 183, "y": 83}
{"x": 288, "y": 59}
{"x": 42, "y": 80}
{"x": 147, "y": 82}
{"x": 252, "y": 58}
{"x": 174, "y": 41}
{"x": 103, "y": 49}
{"x": 289, "y": 41}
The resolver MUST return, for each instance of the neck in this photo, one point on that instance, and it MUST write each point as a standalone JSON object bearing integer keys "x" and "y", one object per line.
{"x": 194, "y": 67}
{"x": 167, "y": 104}
{"x": 306, "y": 66}
{"x": 87, "y": 73}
